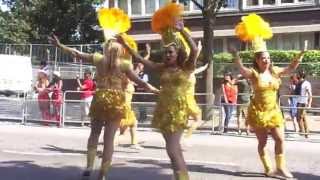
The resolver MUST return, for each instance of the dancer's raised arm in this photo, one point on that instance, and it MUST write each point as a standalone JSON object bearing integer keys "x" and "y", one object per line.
{"x": 53, "y": 39}
{"x": 246, "y": 72}
{"x": 192, "y": 59}
{"x": 295, "y": 61}
{"x": 133, "y": 77}
{"x": 138, "y": 57}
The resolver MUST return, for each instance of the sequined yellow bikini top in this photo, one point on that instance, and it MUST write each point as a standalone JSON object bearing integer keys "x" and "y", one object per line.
{"x": 115, "y": 81}
{"x": 260, "y": 86}
{"x": 178, "y": 81}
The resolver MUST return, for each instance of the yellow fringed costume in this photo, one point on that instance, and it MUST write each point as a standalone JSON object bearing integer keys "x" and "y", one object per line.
{"x": 176, "y": 101}
{"x": 130, "y": 119}
{"x": 264, "y": 110}
{"x": 109, "y": 101}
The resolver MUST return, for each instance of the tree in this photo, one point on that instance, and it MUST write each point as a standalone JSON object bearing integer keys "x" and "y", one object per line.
{"x": 70, "y": 19}
{"x": 13, "y": 30}
{"x": 209, "y": 10}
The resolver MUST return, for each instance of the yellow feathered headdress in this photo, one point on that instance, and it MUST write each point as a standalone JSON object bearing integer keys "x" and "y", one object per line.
{"x": 132, "y": 44}
{"x": 163, "y": 22}
{"x": 254, "y": 29}
{"x": 113, "y": 21}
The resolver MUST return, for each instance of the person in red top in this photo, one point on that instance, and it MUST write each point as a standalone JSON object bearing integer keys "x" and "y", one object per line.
{"x": 230, "y": 92}
{"x": 55, "y": 87}
{"x": 87, "y": 87}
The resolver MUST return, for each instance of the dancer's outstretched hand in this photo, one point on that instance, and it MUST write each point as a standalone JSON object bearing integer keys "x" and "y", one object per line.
{"x": 53, "y": 39}
{"x": 152, "y": 89}
{"x": 232, "y": 50}
{"x": 305, "y": 47}
{"x": 148, "y": 48}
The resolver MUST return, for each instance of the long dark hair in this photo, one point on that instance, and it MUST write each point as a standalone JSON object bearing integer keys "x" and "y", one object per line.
{"x": 258, "y": 55}
{"x": 54, "y": 80}
{"x": 181, "y": 54}
{"x": 227, "y": 74}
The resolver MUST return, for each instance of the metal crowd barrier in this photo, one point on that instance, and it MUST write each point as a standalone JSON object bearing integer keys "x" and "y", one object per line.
{"x": 312, "y": 113}
{"x": 12, "y": 108}
{"x": 26, "y": 110}
{"x": 45, "y": 115}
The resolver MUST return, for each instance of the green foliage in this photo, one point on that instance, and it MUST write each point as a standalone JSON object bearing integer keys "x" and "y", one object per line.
{"x": 13, "y": 30}
{"x": 70, "y": 20}
{"x": 310, "y": 62}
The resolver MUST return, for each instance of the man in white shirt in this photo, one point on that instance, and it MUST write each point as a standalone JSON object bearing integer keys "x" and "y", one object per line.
{"x": 304, "y": 91}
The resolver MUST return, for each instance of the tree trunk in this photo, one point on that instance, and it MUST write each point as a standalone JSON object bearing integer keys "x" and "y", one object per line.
{"x": 209, "y": 18}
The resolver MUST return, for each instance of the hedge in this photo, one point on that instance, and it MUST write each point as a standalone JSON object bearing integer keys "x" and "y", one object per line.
{"x": 310, "y": 62}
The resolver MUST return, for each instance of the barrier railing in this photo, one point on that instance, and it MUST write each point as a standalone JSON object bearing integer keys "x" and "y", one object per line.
{"x": 290, "y": 111}
{"x": 28, "y": 110}
{"x": 45, "y": 112}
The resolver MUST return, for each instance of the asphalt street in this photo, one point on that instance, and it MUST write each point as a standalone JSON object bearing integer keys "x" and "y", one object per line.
{"x": 50, "y": 153}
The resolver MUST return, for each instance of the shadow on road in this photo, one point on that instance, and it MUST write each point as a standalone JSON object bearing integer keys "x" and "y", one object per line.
{"x": 28, "y": 170}
{"x": 75, "y": 151}
{"x": 303, "y": 176}
{"x": 192, "y": 167}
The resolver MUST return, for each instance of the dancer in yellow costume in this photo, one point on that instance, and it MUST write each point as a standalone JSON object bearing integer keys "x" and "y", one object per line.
{"x": 264, "y": 114}
{"x": 109, "y": 105}
{"x": 130, "y": 120}
{"x": 173, "y": 107}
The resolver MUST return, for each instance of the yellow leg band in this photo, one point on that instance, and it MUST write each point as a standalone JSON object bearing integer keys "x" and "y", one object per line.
{"x": 265, "y": 159}
{"x": 182, "y": 175}
{"x": 280, "y": 162}
{"x": 91, "y": 155}
{"x": 133, "y": 134}
{"x": 105, "y": 166}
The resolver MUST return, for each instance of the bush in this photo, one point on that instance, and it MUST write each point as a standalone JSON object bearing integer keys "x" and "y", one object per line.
{"x": 310, "y": 62}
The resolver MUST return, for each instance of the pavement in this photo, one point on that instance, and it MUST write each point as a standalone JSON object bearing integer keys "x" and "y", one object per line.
{"x": 51, "y": 153}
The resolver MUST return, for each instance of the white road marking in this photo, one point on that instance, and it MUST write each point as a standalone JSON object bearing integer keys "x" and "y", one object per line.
{"x": 120, "y": 157}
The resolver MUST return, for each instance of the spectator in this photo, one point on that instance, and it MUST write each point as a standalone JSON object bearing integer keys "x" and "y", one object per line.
{"x": 142, "y": 75}
{"x": 86, "y": 88}
{"x": 304, "y": 90}
{"x": 293, "y": 100}
{"x": 44, "y": 66}
{"x": 229, "y": 100}
{"x": 55, "y": 87}
{"x": 243, "y": 100}
{"x": 43, "y": 95}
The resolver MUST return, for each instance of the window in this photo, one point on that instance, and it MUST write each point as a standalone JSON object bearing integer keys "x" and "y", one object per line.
{"x": 252, "y": 3}
{"x": 150, "y": 6}
{"x": 162, "y": 2}
{"x": 217, "y": 45}
{"x": 310, "y": 37}
{"x": 272, "y": 43}
{"x": 123, "y": 4}
{"x": 195, "y": 7}
{"x": 261, "y": 3}
{"x": 290, "y": 41}
{"x": 136, "y": 7}
{"x": 269, "y": 2}
{"x": 186, "y": 6}
{"x": 111, "y": 4}
{"x": 232, "y": 4}
{"x": 287, "y": 1}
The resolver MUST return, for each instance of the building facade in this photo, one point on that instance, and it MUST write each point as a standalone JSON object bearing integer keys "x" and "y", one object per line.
{"x": 292, "y": 21}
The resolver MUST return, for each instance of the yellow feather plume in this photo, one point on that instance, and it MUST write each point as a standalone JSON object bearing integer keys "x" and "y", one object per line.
{"x": 132, "y": 44}
{"x": 171, "y": 36}
{"x": 166, "y": 16}
{"x": 252, "y": 27}
{"x": 113, "y": 21}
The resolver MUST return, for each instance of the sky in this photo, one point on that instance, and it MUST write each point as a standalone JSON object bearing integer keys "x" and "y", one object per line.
{"x": 3, "y": 7}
